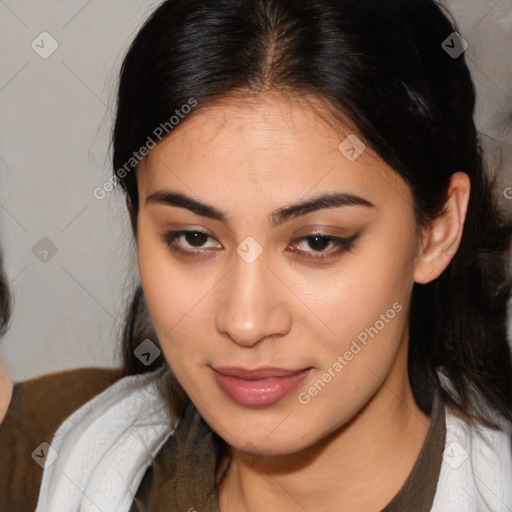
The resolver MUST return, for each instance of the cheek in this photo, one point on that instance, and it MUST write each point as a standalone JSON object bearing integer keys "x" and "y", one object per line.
{"x": 364, "y": 286}
{"x": 167, "y": 287}
{"x": 367, "y": 317}
{"x": 177, "y": 298}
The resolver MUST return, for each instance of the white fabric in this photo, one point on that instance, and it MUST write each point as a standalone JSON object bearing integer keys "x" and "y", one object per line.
{"x": 105, "y": 447}
{"x": 476, "y": 473}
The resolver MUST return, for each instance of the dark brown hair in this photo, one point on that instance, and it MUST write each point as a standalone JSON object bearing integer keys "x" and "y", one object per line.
{"x": 381, "y": 65}
{"x": 5, "y": 300}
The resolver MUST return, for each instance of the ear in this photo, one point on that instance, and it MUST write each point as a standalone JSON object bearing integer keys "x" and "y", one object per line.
{"x": 441, "y": 239}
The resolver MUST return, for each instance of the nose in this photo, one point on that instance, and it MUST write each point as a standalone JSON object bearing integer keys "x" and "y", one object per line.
{"x": 252, "y": 304}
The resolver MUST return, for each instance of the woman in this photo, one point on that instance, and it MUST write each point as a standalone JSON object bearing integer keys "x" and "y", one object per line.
{"x": 323, "y": 272}
{"x": 5, "y": 313}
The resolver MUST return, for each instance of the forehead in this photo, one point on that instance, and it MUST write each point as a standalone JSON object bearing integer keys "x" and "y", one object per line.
{"x": 236, "y": 126}
{"x": 267, "y": 148}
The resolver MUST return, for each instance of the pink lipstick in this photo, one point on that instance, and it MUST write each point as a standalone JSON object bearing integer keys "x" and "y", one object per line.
{"x": 261, "y": 387}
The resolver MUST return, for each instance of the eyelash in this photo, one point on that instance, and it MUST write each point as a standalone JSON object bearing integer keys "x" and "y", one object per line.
{"x": 342, "y": 244}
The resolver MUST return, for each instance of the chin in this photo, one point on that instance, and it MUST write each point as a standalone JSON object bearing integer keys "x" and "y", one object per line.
{"x": 267, "y": 440}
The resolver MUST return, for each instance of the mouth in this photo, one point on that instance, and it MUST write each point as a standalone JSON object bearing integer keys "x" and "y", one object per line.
{"x": 258, "y": 388}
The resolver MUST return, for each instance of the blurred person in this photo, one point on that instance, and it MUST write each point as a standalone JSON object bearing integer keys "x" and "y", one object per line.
{"x": 5, "y": 313}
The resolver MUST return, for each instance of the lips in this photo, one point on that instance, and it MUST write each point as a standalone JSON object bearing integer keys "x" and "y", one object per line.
{"x": 257, "y": 374}
{"x": 260, "y": 387}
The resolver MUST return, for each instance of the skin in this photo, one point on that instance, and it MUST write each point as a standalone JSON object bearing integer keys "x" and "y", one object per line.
{"x": 5, "y": 390}
{"x": 354, "y": 444}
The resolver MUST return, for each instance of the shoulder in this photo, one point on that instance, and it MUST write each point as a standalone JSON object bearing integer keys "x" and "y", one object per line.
{"x": 37, "y": 408}
{"x": 42, "y": 403}
{"x": 76, "y": 384}
{"x": 105, "y": 444}
{"x": 476, "y": 472}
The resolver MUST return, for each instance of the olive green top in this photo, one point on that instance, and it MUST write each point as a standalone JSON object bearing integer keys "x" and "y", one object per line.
{"x": 182, "y": 474}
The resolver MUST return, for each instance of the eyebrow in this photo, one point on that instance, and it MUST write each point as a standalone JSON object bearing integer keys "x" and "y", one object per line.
{"x": 280, "y": 216}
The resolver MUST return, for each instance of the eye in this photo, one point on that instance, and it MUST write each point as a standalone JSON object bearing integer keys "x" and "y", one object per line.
{"x": 317, "y": 241}
{"x": 195, "y": 238}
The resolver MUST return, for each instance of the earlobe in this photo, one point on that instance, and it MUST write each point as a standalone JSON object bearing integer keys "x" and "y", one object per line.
{"x": 441, "y": 239}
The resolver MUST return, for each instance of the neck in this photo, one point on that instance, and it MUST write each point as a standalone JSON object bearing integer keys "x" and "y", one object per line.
{"x": 361, "y": 466}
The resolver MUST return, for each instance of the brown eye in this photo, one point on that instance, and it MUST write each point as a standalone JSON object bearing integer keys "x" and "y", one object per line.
{"x": 318, "y": 242}
{"x": 195, "y": 239}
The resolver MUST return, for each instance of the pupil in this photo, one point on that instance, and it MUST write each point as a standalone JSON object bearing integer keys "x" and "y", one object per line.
{"x": 195, "y": 237}
{"x": 324, "y": 242}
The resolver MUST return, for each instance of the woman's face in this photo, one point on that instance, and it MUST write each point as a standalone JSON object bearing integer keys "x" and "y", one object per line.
{"x": 250, "y": 293}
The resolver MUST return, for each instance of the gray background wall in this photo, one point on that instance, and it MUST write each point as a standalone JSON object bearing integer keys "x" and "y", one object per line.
{"x": 68, "y": 256}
